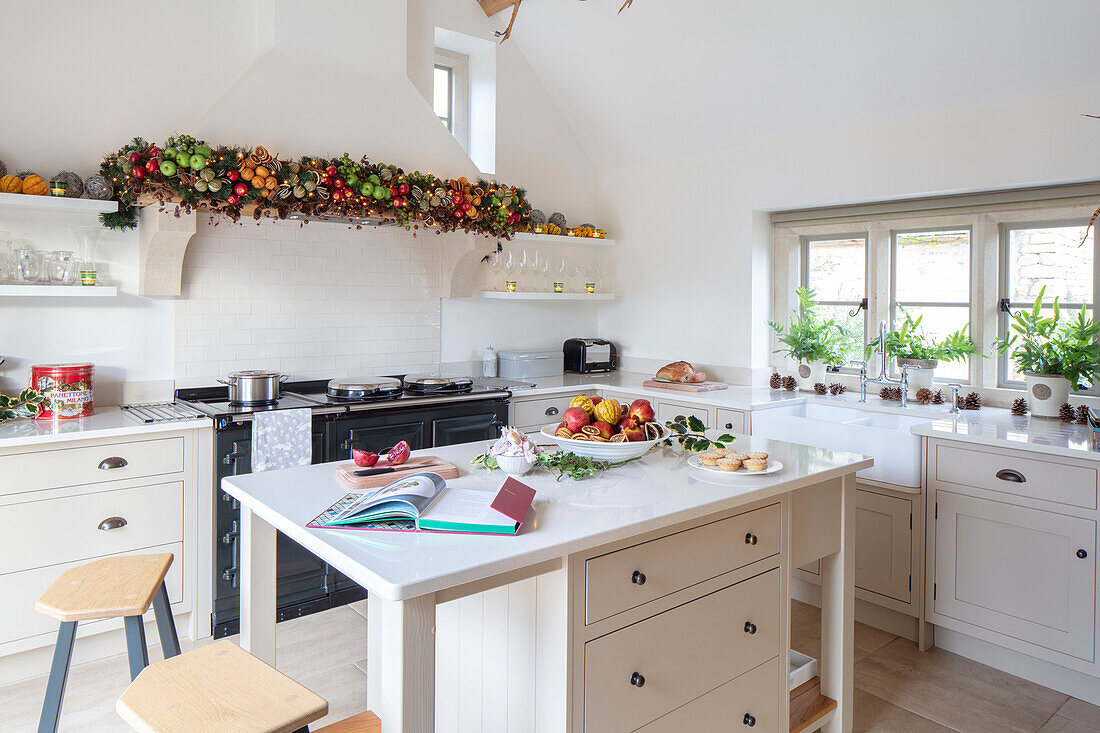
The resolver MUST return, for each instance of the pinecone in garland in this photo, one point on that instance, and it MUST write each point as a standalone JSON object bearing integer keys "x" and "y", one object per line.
{"x": 1067, "y": 413}
{"x": 837, "y": 388}
{"x": 776, "y": 381}
{"x": 790, "y": 384}
{"x": 1019, "y": 406}
{"x": 972, "y": 401}
{"x": 924, "y": 395}
{"x": 820, "y": 388}
{"x": 937, "y": 397}
{"x": 1082, "y": 415}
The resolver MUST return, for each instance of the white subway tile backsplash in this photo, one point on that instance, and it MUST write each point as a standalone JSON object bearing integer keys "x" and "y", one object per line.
{"x": 313, "y": 302}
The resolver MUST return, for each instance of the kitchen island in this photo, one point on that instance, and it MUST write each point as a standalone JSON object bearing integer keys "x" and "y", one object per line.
{"x": 666, "y": 605}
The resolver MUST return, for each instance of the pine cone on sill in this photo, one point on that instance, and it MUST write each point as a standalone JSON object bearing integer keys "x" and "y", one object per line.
{"x": 937, "y": 397}
{"x": 1067, "y": 413}
{"x": 1082, "y": 415}
{"x": 973, "y": 401}
{"x": 890, "y": 393}
{"x": 1019, "y": 406}
{"x": 790, "y": 383}
{"x": 924, "y": 395}
{"x": 836, "y": 388}
{"x": 776, "y": 381}
{"x": 820, "y": 388}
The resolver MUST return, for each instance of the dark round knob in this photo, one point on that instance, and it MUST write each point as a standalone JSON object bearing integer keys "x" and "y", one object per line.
{"x": 749, "y": 719}
{"x": 637, "y": 680}
{"x": 750, "y": 627}
{"x": 1082, "y": 554}
{"x": 638, "y": 578}
{"x": 750, "y": 539}
{"x": 729, "y": 426}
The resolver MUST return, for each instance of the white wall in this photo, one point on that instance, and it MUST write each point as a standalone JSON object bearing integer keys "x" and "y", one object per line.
{"x": 296, "y": 77}
{"x": 471, "y": 324}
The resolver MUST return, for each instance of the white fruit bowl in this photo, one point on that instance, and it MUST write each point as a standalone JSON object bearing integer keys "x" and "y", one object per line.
{"x": 603, "y": 451}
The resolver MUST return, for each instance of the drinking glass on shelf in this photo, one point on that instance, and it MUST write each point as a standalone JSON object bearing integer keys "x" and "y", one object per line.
{"x": 24, "y": 267}
{"x": 5, "y": 256}
{"x": 62, "y": 268}
{"x": 511, "y": 263}
{"x": 496, "y": 262}
{"x": 524, "y": 277}
{"x": 545, "y": 274}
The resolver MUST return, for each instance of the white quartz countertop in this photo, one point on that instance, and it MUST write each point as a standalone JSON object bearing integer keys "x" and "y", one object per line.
{"x": 654, "y": 492}
{"x": 999, "y": 427}
{"x": 735, "y": 396}
{"x": 107, "y": 422}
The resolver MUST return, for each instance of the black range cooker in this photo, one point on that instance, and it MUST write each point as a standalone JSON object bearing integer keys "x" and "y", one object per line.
{"x": 373, "y": 413}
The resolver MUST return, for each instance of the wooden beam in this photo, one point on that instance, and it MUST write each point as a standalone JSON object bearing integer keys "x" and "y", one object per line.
{"x": 492, "y": 7}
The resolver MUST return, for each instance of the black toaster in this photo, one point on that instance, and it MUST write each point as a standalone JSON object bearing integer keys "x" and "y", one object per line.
{"x": 584, "y": 356}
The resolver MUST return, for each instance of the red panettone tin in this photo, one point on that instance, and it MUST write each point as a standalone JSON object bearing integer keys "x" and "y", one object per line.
{"x": 67, "y": 388}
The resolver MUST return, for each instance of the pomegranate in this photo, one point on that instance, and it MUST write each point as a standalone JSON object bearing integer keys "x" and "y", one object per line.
{"x": 364, "y": 458}
{"x": 399, "y": 453}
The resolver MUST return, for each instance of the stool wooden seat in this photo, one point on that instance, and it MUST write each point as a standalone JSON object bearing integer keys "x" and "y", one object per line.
{"x": 115, "y": 587}
{"x": 366, "y": 722}
{"x": 108, "y": 588}
{"x": 218, "y": 688}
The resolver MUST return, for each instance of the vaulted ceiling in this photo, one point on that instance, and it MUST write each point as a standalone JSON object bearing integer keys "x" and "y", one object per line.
{"x": 668, "y": 78}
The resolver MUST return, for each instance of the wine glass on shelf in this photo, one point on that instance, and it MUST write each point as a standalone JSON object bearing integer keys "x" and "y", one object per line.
{"x": 524, "y": 271}
{"x": 545, "y": 274}
{"x": 496, "y": 263}
{"x": 511, "y": 263}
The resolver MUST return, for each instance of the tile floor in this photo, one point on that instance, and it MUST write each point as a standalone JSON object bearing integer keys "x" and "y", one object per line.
{"x": 898, "y": 689}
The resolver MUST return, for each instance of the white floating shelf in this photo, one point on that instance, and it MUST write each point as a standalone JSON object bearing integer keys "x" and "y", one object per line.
{"x": 59, "y": 291}
{"x": 562, "y": 239}
{"x": 57, "y": 204}
{"x": 503, "y": 295}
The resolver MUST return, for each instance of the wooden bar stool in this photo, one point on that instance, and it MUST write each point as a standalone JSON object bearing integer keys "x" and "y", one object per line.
{"x": 221, "y": 688}
{"x": 109, "y": 588}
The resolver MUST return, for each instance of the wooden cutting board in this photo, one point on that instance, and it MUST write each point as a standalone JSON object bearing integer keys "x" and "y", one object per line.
{"x": 414, "y": 465}
{"x": 685, "y": 386}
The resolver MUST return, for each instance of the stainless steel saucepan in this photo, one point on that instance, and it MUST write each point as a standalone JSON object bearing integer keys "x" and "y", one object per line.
{"x": 253, "y": 386}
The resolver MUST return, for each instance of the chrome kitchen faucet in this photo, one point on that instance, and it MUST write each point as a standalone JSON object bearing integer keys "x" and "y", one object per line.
{"x": 882, "y": 377}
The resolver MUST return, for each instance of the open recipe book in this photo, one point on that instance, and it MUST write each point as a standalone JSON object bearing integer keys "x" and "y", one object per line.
{"x": 424, "y": 502}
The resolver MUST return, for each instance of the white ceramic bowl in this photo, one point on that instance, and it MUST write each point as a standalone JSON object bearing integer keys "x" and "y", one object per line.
{"x": 515, "y": 465}
{"x": 603, "y": 451}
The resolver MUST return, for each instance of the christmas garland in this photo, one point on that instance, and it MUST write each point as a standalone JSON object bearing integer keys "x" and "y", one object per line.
{"x": 230, "y": 181}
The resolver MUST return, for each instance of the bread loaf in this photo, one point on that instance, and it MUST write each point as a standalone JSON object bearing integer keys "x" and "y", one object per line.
{"x": 681, "y": 371}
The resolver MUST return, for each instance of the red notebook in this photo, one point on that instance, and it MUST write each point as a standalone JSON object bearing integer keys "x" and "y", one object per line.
{"x": 424, "y": 502}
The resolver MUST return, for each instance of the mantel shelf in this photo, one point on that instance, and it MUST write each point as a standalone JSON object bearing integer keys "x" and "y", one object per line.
{"x": 503, "y": 295}
{"x": 58, "y": 291}
{"x": 57, "y": 204}
{"x": 559, "y": 239}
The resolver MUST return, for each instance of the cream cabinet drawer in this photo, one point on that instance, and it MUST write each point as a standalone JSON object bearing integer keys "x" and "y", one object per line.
{"x": 50, "y": 469}
{"x": 750, "y": 702}
{"x": 18, "y": 592}
{"x": 540, "y": 412}
{"x": 730, "y": 421}
{"x": 635, "y": 575}
{"x": 636, "y": 675}
{"x": 1010, "y": 473}
{"x": 37, "y": 533}
{"x": 667, "y": 411}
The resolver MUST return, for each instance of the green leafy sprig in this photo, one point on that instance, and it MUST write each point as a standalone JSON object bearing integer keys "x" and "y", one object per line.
{"x": 562, "y": 463}
{"x": 27, "y": 404}
{"x": 809, "y": 337}
{"x": 1043, "y": 345}
{"x": 911, "y": 342}
{"x": 690, "y": 434}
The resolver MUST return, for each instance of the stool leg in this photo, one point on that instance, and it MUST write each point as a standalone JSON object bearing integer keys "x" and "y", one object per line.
{"x": 135, "y": 645}
{"x": 166, "y": 625}
{"x": 59, "y": 675}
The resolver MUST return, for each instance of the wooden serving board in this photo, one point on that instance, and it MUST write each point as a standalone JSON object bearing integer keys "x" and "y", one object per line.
{"x": 414, "y": 465}
{"x": 685, "y": 386}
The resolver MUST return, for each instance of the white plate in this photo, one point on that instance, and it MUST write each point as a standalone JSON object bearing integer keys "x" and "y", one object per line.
{"x": 773, "y": 467}
{"x": 603, "y": 451}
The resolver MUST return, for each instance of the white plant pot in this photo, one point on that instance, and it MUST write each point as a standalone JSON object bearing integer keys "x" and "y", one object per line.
{"x": 1046, "y": 393}
{"x": 922, "y": 377}
{"x": 810, "y": 373}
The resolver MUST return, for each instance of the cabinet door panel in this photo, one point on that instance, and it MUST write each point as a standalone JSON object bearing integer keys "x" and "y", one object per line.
{"x": 466, "y": 428}
{"x": 732, "y": 421}
{"x": 883, "y": 544}
{"x": 671, "y": 410}
{"x": 1015, "y": 571}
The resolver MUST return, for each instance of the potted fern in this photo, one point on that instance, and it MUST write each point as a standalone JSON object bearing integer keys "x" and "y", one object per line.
{"x": 1053, "y": 355}
{"x": 910, "y": 346}
{"x": 814, "y": 342}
